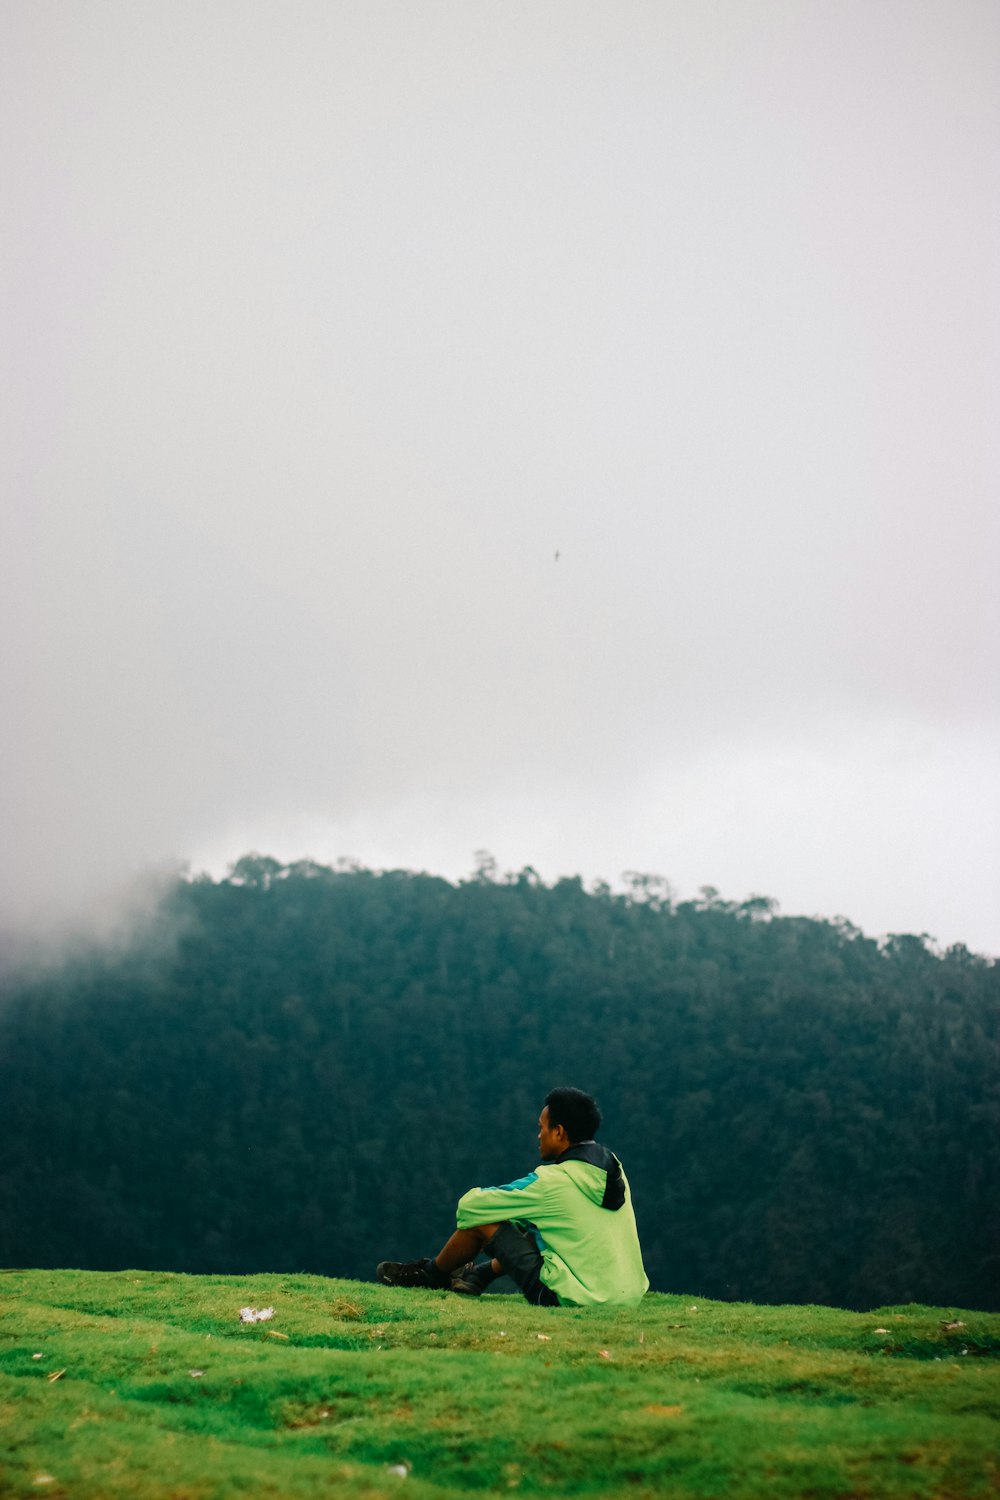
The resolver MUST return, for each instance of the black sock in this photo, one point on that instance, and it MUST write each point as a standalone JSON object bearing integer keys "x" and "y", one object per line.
{"x": 435, "y": 1273}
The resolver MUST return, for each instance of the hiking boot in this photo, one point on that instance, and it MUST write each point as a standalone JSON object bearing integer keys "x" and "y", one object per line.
{"x": 411, "y": 1273}
{"x": 471, "y": 1280}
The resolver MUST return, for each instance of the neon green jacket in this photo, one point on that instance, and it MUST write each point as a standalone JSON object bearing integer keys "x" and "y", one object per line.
{"x": 580, "y": 1210}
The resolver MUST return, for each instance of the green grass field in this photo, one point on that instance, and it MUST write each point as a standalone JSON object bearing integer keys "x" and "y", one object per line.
{"x": 139, "y": 1384}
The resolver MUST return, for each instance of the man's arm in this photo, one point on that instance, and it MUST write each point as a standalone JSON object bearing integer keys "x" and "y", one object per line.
{"x": 523, "y": 1199}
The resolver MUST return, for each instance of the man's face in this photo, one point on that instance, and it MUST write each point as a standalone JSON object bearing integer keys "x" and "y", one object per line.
{"x": 550, "y": 1142}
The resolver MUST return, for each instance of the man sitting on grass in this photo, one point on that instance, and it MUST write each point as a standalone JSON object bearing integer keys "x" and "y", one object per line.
{"x": 565, "y": 1233}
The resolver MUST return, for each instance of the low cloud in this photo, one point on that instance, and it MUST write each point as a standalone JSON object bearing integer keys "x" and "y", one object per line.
{"x": 559, "y": 441}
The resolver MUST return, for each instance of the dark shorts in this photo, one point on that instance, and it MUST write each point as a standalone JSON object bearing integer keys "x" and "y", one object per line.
{"x": 517, "y": 1251}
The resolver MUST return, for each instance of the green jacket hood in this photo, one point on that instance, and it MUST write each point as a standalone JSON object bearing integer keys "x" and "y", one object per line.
{"x": 605, "y": 1187}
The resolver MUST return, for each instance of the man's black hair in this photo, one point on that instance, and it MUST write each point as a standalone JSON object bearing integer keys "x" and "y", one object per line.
{"x": 575, "y": 1111}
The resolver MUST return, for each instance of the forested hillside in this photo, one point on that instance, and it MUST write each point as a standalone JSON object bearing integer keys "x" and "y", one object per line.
{"x": 302, "y": 1069}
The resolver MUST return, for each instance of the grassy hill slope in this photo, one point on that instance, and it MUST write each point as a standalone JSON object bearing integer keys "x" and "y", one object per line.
{"x": 138, "y": 1384}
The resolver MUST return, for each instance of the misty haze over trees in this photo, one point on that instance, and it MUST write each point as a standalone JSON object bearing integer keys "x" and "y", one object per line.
{"x": 302, "y": 1068}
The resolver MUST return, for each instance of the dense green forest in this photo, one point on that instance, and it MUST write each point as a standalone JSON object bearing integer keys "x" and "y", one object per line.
{"x": 299, "y": 1068}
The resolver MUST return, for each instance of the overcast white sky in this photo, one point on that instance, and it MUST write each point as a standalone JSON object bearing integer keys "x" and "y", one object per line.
{"x": 326, "y": 326}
